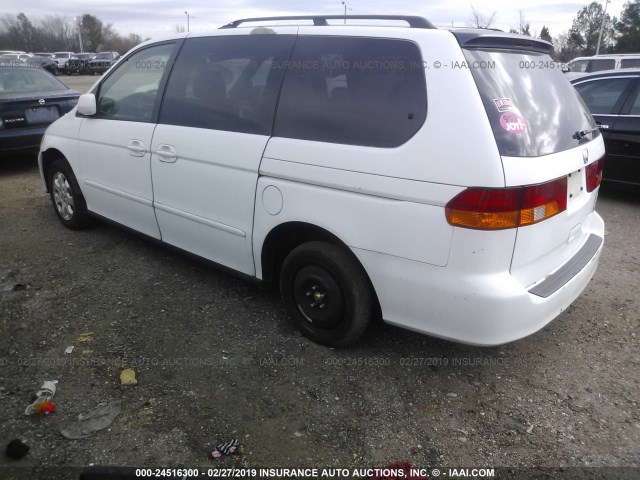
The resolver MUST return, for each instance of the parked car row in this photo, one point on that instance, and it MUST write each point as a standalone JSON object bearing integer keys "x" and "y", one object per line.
{"x": 66, "y": 63}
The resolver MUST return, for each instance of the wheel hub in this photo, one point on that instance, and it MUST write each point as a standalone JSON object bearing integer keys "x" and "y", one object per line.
{"x": 319, "y": 297}
{"x": 62, "y": 196}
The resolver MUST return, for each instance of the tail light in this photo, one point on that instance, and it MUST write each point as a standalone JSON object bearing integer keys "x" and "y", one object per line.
{"x": 594, "y": 174}
{"x": 501, "y": 208}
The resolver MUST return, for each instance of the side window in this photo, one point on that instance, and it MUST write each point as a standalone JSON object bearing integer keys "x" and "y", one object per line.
{"x": 599, "y": 65}
{"x": 635, "y": 108}
{"x": 130, "y": 92}
{"x": 227, "y": 83}
{"x": 630, "y": 63}
{"x": 601, "y": 96}
{"x": 355, "y": 91}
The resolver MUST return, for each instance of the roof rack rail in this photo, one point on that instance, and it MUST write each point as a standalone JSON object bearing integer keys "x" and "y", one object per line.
{"x": 321, "y": 20}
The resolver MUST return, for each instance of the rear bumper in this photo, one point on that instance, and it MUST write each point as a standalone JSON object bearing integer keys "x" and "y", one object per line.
{"x": 484, "y": 309}
{"x": 21, "y": 138}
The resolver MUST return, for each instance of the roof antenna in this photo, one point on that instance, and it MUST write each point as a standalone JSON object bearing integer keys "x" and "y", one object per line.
{"x": 345, "y": 11}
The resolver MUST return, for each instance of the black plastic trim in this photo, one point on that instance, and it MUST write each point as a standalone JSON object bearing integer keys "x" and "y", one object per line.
{"x": 557, "y": 280}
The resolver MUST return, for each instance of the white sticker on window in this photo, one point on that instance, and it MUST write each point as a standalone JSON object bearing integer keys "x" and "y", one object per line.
{"x": 503, "y": 104}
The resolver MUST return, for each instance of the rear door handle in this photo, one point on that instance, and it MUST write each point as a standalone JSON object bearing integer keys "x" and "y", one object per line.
{"x": 136, "y": 148}
{"x": 166, "y": 153}
{"x": 600, "y": 125}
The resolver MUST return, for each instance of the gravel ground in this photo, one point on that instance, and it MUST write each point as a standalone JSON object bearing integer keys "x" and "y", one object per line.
{"x": 215, "y": 359}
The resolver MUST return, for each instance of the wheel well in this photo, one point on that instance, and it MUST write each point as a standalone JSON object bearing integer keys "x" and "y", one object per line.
{"x": 48, "y": 157}
{"x": 285, "y": 237}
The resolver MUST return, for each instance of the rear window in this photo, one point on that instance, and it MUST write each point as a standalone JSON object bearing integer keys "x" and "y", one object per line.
{"x": 532, "y": 108}
{"x": 17, "y": 80}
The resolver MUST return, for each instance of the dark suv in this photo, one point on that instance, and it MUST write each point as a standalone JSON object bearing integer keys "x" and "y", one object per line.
{"x": 102, "y": 62}
{"x": 79, "y": 63}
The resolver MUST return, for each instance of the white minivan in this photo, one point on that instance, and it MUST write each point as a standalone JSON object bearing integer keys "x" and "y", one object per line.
{"x": 581, "y": 66}
{"x": 372, "y": 165}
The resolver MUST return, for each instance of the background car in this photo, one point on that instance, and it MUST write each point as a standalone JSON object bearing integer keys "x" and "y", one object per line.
{"x": 7, "y": 57}
{"x": 102, "y": 62}
{"x": 62, "y": 57}
{"x": 46, "y": 63}
{"x": 580, "y": 66}
{"x": 30, "y": 99}
{"x": 79, "y": 63}
{"x": 613, "y": 97}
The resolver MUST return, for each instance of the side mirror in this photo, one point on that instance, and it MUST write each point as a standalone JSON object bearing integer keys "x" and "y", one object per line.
{"x": 87, "y": 104}
{"x": 565, "y": 69}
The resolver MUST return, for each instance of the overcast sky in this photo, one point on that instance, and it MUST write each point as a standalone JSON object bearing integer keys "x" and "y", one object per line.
{"x": 159, "y": 17}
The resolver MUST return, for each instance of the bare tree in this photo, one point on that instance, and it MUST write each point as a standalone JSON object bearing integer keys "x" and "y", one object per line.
{"x": 179, "y": 28}
{"x": 53, "y": 33}
{"x": 479, "y": 20}
{"x": 56, "y": 33}
{"x": 109, "y": 38}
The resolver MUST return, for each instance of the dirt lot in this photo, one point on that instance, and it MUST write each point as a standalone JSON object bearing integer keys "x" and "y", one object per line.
{"x": 81, "y": 83}
{"x": 216, "y": 359}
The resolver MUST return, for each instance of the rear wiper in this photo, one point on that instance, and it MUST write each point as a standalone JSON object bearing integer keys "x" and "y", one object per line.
{"x": 581, "y": 134}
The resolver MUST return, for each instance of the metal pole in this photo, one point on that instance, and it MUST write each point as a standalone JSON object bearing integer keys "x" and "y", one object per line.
{"x": 79, "y": 25}
{"x": 604, "y": 16}
{"x": 345, "y": 12}
{"x": 187, "y": 14}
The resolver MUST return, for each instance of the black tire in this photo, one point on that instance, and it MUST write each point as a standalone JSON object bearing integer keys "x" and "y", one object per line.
{"x": 326, "y": 293}
{"x": 67, "y": 199}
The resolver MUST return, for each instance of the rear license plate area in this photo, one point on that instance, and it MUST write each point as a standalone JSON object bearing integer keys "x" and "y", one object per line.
{"x": 575, "y": 186}
{"x": 45, "y": 114}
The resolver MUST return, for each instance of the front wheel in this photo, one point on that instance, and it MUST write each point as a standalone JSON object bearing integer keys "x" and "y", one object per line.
{"x": 326, "y": 293}
{"x": 67, "y": 199}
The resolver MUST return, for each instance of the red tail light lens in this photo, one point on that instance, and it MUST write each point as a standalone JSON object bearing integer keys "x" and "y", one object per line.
{"x": 594, "y": 174}
{"x": 501, "y": 208}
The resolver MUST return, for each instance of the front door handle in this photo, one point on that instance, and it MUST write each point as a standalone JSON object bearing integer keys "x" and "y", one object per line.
{"x": 166, "y": 153}
{"x": 136, "y": 148}
{"x": 600, "y": 125}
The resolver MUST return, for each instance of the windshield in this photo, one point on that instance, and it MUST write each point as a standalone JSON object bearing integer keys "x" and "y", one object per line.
{"x": 61, "y": 55}
{"x": 532, "y": 108}
{"x": 103, "y": 56}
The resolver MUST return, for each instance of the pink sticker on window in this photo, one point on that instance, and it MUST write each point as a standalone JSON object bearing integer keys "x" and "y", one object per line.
{"x": 512, "y": 122}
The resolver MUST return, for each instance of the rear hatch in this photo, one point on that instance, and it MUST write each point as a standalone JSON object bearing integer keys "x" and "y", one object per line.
{"x": 545, "y": 135}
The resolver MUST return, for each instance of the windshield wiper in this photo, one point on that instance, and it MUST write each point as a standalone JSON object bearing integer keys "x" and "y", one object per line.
{"x": 581, "y": 134}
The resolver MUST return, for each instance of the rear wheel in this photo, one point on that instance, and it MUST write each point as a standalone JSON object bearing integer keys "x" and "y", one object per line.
{"x": 326, "y": 293}
{"x": 67, "y": 199}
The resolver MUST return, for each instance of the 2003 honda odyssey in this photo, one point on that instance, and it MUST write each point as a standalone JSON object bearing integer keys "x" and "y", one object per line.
{"x": 422, "y": 172}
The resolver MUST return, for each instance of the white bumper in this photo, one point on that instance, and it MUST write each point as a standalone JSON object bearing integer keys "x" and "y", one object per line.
{"x": 477, "y": 308}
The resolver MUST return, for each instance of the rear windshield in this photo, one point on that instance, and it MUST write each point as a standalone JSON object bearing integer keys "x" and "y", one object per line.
{"x": 26, "y": 79}
{"x": 532, "y": 108}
